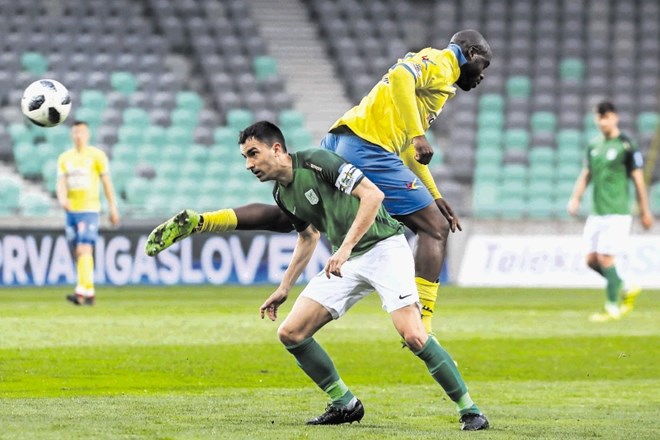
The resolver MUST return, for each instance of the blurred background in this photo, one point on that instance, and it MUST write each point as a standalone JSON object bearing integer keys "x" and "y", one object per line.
{"x": 166, "y": 85}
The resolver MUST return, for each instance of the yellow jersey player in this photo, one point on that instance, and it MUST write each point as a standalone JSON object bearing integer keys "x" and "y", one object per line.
{"x": 383, "y": 136}
{"x": 79, "y": 171}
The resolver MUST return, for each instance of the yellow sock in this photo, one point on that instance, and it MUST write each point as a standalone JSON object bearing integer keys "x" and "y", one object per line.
{"x": 219, "y": 221}
{"x": 428, "y": 292}
{"x": 86, "y": 271}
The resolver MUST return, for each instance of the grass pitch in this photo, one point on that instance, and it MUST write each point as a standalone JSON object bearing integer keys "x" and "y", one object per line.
{"x": 197, "y": 362}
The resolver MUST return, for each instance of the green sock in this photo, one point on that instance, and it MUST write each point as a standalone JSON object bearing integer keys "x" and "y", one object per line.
{"x": 442, "y": 368}
{"x": 316, "y": 363}
{"x": 613, "y": 284}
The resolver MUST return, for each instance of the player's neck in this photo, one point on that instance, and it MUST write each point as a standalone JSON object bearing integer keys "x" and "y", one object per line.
{"x": 613, "y": 134}
{"x": 80, "y": 147}
{"x": 285, "y": 176}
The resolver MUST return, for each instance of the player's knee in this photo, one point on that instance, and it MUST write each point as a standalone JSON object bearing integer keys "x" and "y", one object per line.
{"x": 415, "y": 339}
{"x": 289, "y": 335}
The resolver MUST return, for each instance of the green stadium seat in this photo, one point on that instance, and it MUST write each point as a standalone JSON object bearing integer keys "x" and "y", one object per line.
{"x": 59, "y": 136}
{"x": 193, "y": 168}
{"x": 515, "y": 171}
{"x": 10, "y": 193}
{"x": 124, "y": 82}
{"x": 124, "y": 153}
{"x": 516, "y": 139}
{"x": 49, "y": 174}
{"x": 489, "y": 172}
{"x": 149, "y": 154}
{"x": 290, "y": 119}
{"x": 199, "y": 153}
{"x": 542, "y": 171}
{"x": 121, "y": 173}
{"x": 540, "y": 206}
{"x": 543, "y": 121}
{"x": 92, "y": 116}
{"x": 138, "y": 190}
{"x": 264, "y": 67}
{"x": 571, "y": 69}
{"x": 490, "y": 120}
{"x": 513, "y": 188}
{"x": 488, "y": 155}
{"x": 93, "y": 98}
{"x": 186, "y": 118}
{"x": 19, "y": 133}
{"x": 647, "y": 122}
{"x": 35, "y": 63}
{"x": 518, "y": 87}
{"x": 136, "y": 117}
{"x": 569, "y": 139}
{"x": 589, "y": 123}
{"x": 491, "y": 102}
{"x": 155, "y": 135}
{"x": 35, "y": 205}
{"x": 299, "y": 138}
{"x": 512, "y": 208}
{"x": 226, "y": 136}
{"x": 132, "y": 135}
{"x": 568, "y": 172}
{"x": 178, "y": 135}
{"x": 189, "y": 101}
{"x": 545, "y": 155}
{"x": 489, "y": 137}
{"x": 27, "y": 160}
{"x": 239, "y": 119}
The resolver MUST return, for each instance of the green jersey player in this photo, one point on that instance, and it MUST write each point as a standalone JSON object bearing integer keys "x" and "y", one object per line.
{"x": 611, "y": 159}
{"x": 321, "y": 192}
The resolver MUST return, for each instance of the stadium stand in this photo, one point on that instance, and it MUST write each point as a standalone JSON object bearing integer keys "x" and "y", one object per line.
{"x": 167, "y": 84}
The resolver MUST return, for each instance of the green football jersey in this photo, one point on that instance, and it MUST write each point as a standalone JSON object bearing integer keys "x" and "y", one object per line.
{"x": 320, "y": 194}
{"x": 610, "y": 162}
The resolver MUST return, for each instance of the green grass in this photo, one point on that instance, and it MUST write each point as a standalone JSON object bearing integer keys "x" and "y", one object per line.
{"x": 197, "y": 362}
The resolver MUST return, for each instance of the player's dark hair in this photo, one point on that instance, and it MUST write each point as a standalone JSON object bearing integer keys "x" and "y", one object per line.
{"x": 470, "y": 38}
{"x": 79, "y": 122}
{"x": 263, "y": 131}
{"x": 604, "y": 107}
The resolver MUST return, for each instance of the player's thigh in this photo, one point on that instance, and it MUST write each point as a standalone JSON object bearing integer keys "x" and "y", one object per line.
{"x": 612, "y": 234}
{"x": 390, "y": 268}
{"x": 428, "y": 220}
{"x": 338, "y": 294}
{"x": 305, "y": 319}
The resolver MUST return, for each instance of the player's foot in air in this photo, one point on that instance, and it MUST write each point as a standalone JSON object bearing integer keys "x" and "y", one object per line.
{"x": 629, "y": 298}
{"x": 337, "y": 416}
{"x": 605, "y": 316}
{"x": 177, "y": 228}
{"x": 473, "y": 422}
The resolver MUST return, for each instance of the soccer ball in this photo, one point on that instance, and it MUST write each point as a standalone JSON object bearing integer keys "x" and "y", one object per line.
{"x": 46, "y": 103}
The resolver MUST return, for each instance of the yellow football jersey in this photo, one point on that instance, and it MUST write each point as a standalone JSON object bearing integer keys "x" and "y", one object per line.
{"x": 82, "y": 171}
{"x": 406, "y": 100}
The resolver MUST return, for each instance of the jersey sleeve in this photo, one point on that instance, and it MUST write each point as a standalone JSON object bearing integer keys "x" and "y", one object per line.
{"x": 633, "y": 157}
{"x": 334, "y": 170}
{"x": 101, "y": 163}
{"x": 298, "y": 224}
{"x": 421, "y": 171}
{"x": 404, "y": 78}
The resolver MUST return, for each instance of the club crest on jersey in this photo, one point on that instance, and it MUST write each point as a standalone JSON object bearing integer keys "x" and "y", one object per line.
{"x": 611, "y": 154}
{"x": 312, "y": 197}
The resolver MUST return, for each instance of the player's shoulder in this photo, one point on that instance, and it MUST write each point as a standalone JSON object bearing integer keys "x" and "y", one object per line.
{"x": 97, "y": 152}
{"x": 316, "y": 159}
{"x": 627, "y": 141}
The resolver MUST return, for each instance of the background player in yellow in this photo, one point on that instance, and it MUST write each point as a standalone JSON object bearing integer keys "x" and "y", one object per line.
{"x": 79, "y": 171}
{"x": 383, "y": 136}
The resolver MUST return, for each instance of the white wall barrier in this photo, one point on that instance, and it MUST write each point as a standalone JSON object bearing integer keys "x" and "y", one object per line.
{"x": 551, "y": 261}
{"x": 44, "y": 257}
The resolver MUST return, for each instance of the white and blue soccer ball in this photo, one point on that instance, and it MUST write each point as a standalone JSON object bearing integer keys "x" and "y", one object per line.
{"x": 46, "y": 103}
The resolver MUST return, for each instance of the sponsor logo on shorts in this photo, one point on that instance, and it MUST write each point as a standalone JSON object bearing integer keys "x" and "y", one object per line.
{"x": 412, "y": 185}
{"x": 405, "y": 296}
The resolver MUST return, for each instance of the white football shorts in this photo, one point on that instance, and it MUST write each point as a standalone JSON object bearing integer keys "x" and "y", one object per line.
{"x": 388, "y": 268}
{"x": 607, "y": 234}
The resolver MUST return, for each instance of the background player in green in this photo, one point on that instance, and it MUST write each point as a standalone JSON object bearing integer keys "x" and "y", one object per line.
{"x": 611, "y": 159}
{"x": 321, "y": 192}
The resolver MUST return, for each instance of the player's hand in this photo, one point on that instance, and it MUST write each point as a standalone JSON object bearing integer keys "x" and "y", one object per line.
{"x": 114, "y": 217}
{"x": 448, "y": 213}
{"x": 273, "y": 303}
{"x": 647, "y": 220}
{"x": 334, "y": 264}
{"x": 65, "y": 205}
{"x": 423, "y": 150}
{"x": 573, "y": 206}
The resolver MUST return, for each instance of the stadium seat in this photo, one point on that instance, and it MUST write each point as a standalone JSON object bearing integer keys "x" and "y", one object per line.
{"x": 92, "y": 98}
{"x": 516, "y": 139}
{"x": 155, "y": 135}
{"x": 35, "y": 205}
{"x": 490, "y": 120}
{"x": 225, "y": 136}
{"x": 647, "y": 122}
{"x": 124, "y": 82}
{"x": 264, "y": 67}
{"x": 239, "y": 119}
{"x": 290, "y": 119}
{"x": 35, "y": 63}
{"x": 10, "y": 193}
{"x": 177, "y": 135}
{"x": 90, "y": 115}
{"x": 136, "y": 117}
{"x": 299, "y": 138}
{"x": 491, "y": 102}
{"x": 185, "y": 118}
{"x": 518, "y": 86}
{"x": 540, "y": 206}
{"x": 489, "y": 137}
{"x": 190, "y": 101}
{"x": 543, "y": 121}
{"x": 511, "y": 208}
{"x": 571, "y": 69}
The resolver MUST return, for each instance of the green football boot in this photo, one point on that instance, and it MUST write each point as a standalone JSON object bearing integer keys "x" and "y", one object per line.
{"x": 165, "y": 235}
